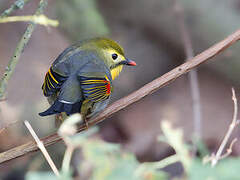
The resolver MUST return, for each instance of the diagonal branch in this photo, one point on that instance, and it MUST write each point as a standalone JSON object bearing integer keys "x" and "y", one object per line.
{"x": 17, "y": 5}
{"x": 130, "y": 99}
{"x": 42, "y": 148}
{"x": 18, "y": 51}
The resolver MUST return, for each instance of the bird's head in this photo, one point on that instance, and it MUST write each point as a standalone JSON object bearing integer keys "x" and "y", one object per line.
{"x": 111, "y": 53}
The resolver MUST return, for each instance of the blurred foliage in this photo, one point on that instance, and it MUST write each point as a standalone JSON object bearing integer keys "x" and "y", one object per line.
{"x": 227, "y": 169}
{"x": 101, "y": 160}
{"x": 174, "y": 137}
{"x": 80, "y": 19}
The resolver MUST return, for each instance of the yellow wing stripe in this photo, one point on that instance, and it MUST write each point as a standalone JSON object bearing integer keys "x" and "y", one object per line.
{"x": 94, "y": 80}
{"x": 96, "y": 89}
{"x": 48, "y": 85}
{"x": 99, "y": 96}
{"x": 52, "y": 76}
{"x": 52, "y": 82}
{"x": 99, "y": 99}
{"x": 99, "y": 87}
{"x": 97, "y": 93}
{"x": 44, "y": 87}
{"x": 49, "y": 81}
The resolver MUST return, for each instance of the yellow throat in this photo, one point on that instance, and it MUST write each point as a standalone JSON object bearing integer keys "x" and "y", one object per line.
{"x": 115, "y": 71}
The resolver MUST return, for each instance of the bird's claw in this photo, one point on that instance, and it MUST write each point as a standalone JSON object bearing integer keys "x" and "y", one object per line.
{"x": 86, "y": 123}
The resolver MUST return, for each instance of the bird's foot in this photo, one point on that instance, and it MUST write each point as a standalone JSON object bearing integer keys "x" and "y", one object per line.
{"x": 86, "y": 123}
{"x": 58, "y": 120}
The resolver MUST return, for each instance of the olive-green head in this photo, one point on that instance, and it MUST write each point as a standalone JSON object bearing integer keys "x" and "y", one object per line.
{"x": 109, "y": 51}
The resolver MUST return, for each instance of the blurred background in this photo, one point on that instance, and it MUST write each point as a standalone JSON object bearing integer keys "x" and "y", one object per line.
{"x": 149, "y": 33}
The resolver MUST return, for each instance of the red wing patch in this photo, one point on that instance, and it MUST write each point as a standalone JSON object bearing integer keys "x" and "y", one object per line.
{"x": 96, "y": 89}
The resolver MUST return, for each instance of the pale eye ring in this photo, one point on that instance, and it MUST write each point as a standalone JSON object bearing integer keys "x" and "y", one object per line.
{"x": 114, "y": 56}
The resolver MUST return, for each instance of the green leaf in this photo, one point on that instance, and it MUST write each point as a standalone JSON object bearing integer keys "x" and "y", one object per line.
{"x": 174, "y": 138}
{"x": 116, "y": 167}
{"x": 226, "y": 169}
{"x": 201, "y": 147}
{"x": 40, "y": 176}
{"x": 109, "y": 162}
{"x": 80, "y": 138}
{"x": 47, "y": 176}
{"x": 148, "y": 172}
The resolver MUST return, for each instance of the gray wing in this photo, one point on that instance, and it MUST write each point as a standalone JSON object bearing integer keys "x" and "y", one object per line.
{"x": 74, "y": 60}
{"x": 68, "y": 100}
{"x": 70, "y": 91}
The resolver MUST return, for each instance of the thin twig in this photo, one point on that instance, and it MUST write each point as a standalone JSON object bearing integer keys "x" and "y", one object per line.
{"x": 156, "y": 165}
{"x": 132, "y": 98}
{"x": 67, "y": 129}
{"x": 42, "y": 148}
{"x": 67, "y": 158}
{"x": 217, "y": 157}
{"x": 166, "y": 161}
{"x": 193, "y": 76}
{"x": 18, "y": 51}
{"x": 40, "y": 19}
{"x": 229, "y": 150}
{"x": 17, "y": 5}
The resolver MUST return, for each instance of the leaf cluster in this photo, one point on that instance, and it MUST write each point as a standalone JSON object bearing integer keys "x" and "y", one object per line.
{"x": 102, "y": 160}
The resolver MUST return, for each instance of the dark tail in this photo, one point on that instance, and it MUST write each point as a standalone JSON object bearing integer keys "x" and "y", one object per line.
{"x": 59, "y": 107}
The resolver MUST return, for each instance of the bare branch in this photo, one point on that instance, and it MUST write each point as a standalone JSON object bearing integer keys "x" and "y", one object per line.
{"x": 17, "y": 5}
{"x": 132, "y": 98}
{"x": 18, "y": 51}
{"x": 42, "y": 148}
{"x": 193, "y": 76}
{"x": 218, "y": 155}
{"x": 229, "y": 150}
{"x": 38, "y": 19}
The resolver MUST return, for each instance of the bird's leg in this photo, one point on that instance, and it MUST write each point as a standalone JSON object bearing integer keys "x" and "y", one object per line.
{"x": 59, "y": 118}
{"x": 85, "y": 110}
{"x": 86, "y": 122}
{"x": 97, "y": 107}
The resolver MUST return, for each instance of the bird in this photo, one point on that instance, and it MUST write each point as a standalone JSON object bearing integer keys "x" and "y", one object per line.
{"x": 80, "y": 79}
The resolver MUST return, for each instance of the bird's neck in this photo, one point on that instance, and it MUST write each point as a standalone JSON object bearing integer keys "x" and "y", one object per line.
{"x": 116, "y": 71}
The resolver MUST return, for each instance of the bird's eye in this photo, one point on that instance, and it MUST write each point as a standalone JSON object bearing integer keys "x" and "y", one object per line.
{"x": 114, "y": 56}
